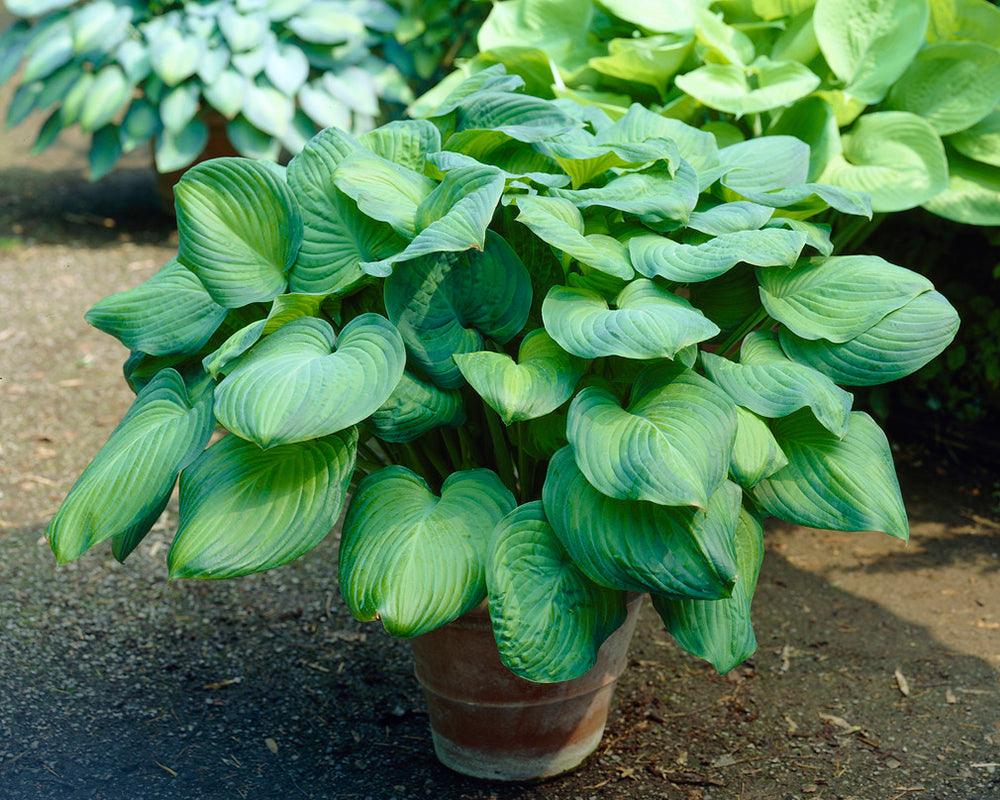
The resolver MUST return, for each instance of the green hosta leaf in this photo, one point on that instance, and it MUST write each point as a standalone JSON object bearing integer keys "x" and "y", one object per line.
{"x": 972, "y": 196}
{"x": 729, "y": 87}
{"x": 647, "y": 322}
{"x": 226, "y": 93}
{"x": 268, "y": 109}
{"x": 141, "y": 123}
{"x": 404, "y": 142}
{"x": 245, "y": 510}
{"x": 133, "y": 57}
{"x": 13, "y": 42}
{"x": 48, "y": 51}
{"x": 980, "y": 142}
{"x": 50, "y": 131}
{"x": 769, "y": 383}
{"x": 491, "y": 79}
{"x": 179, "y": 106}
{"x": 870, "y": 44}
{"x": 651, "y": 60}
{"x": 722, "y": 43}
{"x": 413, "y": 559}
{"x": 557, "y": 221}
{"x": 105, "y": 150}
{"x": 977, "y": 20}
{"x": 177, "y": 151}
{"x": 642, "y": 126}
{"x": 108, "y": 93}
{"x": 720, "y": 631}
{"x": 382, "y": 189}
{"x": 415, "y": 407}
{"x": 817, "y": 236}
{"x": 170, "y": 313}
{"x": 240, "y": 229}
{"x": 669, "y": 16}
{"x": 730, "y": 218}
{"x": 175, "y": 57}
{"x": 127, "y": 485}
{"x": 542, "y": 381}
{"x": 952, "y": 85}
{"x": 446, "y": 303}
{"x": 729, "y": 300}
{"x": 837, "y": 298}
{"x": 756, "y": 454}
{"x": 303, "y": 382}
{"x": 842, "y": 484}
{"x": 689, "y": 263}
{"x": 670, "y": 445}
{"x": 814, "y": 122}
{"x": 513, "y": 159}
{"x": 894, "y": 156}
{"x": 520, "y": 116}
{"x": 897, "y": 345}
{"x": 252, "y": 142}
{"x": 643, "y": 547}
{"x": 549, "y": 619}
{"x": 775, "y": 9}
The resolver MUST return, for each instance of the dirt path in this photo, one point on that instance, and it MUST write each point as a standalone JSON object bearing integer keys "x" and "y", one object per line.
{"x": 877, "y": 675}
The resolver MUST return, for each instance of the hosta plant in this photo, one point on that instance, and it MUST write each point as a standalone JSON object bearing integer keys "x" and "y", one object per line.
{"x": 897, "y": 98}
{"x": 127, "y": 72}
{"x": 551, "y": 358}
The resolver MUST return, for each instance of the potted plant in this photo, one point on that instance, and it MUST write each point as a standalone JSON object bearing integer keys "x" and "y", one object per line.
{"x": 555, "y": 360}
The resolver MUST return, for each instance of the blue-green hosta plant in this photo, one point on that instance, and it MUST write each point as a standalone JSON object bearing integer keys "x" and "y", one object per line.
{"x": 897, "y": 98}
{"x": 550, "y": 357}
{"x": 128, "y": 72}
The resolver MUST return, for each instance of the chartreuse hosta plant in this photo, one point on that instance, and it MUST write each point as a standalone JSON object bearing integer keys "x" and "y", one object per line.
{"x": 552, "y": 358}
{"x": 897, "y": 98}
{"x": 128, "y": 72}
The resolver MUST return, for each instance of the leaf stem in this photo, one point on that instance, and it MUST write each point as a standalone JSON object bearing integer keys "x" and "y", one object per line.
{"x": 736, "y": 337}
{"x": 501, "y": 448}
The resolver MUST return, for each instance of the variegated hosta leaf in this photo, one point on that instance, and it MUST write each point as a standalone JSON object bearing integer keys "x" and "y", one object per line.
{"x": 647, "y": 322}
{"x": 415, "y": 407}
{"x": 124, "y": 489}
{"x": 840, "y": 297}
{"x": 720, "y": 631}
{"x": 842, "y": 484}
{"x": 670, "y": 445}
{"x": 383, "y": 190}
{"x": 689, "y": 263}
{"x": 681, "y": 551}
{"x": 303, "y": 381}
{"x": 897, "y": 345}
{"x": 549, "y": 619}
{"x": 240, "y": 229}
{"x": 413, "y": 559}
{"x": 769, "y": 383}
{"x": 244, "y": 510}
{"x": 337, "y": 237}
{"x": 141, "y": 320}
{"x": 446, "y": 303}
{"x": 739, "y": 215}
{"x": 756, "y": 454}
{"x": 541, "y": 381}
{"x": 558, "y": 222}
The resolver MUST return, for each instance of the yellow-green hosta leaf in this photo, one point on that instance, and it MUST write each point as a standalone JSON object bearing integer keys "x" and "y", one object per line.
{"x": 303, "y": 381}
{"x": 670, "y": 445}
{"x": 756, "y": 454}
{"x": 647, "y": 322}
{"x": 897, "y": 345}
{"x": 240, "y": 228}
{"x": 383, "y": 190}
{"x": 771, "y": 384}
{"x": 894, "y": 156}
{"x": 413, "y": 559}
{"x": 975, "y": 20}
{"x": 175, "y": 56}
{"x": 839, "y": 297}
{"x": 445, "y": 303}
{"x": 870, "y": 43}
{"x": 765, "y": 85}
{"x": 730, "y": 218}
{"x": 415, "y": 407}
{"x": 680, "y": 551}
{"x": 775, "y": 9}
{"x": 814, "y": 121}
{"x": 124, "y": 489}
{"x": 667, "y": 16}
{"x": 541, "y": 381}
{"x": 515, "y": 160}
{"x": 107, "y": 94}
{"x": 549, "y": 619}
{"x": 558, "y": 222}
{"x": 584, "y": 156}
{"x": 245, "y": 510}
{"x": 972, "y": 196}
{"x": 841, "y": 484}
{"x": 407, "y": 143}
{"x": 719, "y": 41}
{"x": 520, "y": 116}
{"x": 175, "y": 151}
{"x": 979, "y": 142}
{"x": 817, "y": 235}
{"x": 172, "y": 312}
{"x": 720, "y": 631}
{"x": 650, "y": 60}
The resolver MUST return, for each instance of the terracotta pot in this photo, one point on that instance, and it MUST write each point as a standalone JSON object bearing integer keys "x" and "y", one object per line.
{"x": 218, "y": 145}
{"x": 489, "y": 723}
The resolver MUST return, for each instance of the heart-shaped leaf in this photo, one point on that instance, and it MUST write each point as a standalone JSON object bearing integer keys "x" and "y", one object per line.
{"x": 650, "y": 60}
{"x": 383, "y": 189}
{"x": 174, "y": 56}
{"x": 739, "y": 215}
{"x": 720, "y": 631}
{"x": 240, "y": 229}
{"x": 542, "y": 381}
{"x": 245, "y": 510}
{"x": 842, "y": 484}
{"x": 303, "y": 382}
{"x": 124, "y": 489}
{"x": 840, "y": 297}
{"x": 549, "y": 619}
{"x": 972, "y": 196}
{"x": 415, "y": 407}
{"x": 108, "y": 93}
{"x": 681, "y": 551}
{"x": 242, "y": 31}
{"x": 769, "y": 383}
{"x": 756, "y": 454}
{"x": 405, "y": 142}
{"x": 179, "y": 106}
{"x": 647, "y": 322}
{"x": 447, "y": 302}
{"x": 897, "y": 345}
{"x": 413, "y": 559}
{"x": 763, "y": 86}
{"x": 226, "y": 94}
{"x": 670, "y": 445}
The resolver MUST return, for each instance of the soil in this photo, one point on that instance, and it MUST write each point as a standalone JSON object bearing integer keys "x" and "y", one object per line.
{"x": 876, "y": 677}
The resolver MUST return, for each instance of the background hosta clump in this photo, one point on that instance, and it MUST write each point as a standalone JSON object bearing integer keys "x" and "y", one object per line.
{"x": 897, "y": 98}
{"x": 554, "y": 356}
